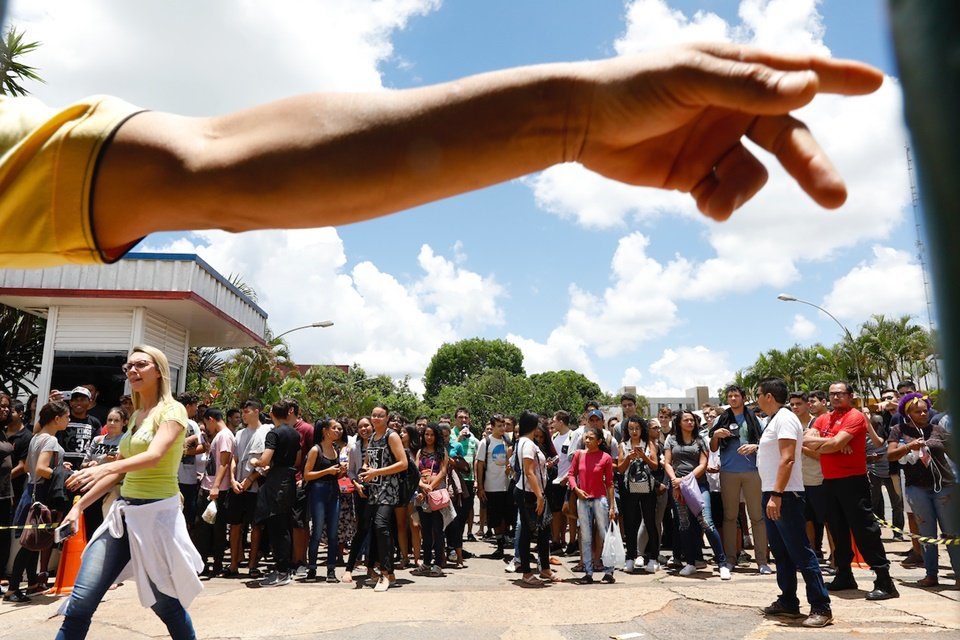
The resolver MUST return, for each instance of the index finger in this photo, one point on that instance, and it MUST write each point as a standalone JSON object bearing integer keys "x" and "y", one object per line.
{"x": 836, "y": 75}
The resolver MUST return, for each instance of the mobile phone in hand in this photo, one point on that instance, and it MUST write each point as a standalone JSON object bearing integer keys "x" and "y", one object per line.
{"x": 63, "y": 532}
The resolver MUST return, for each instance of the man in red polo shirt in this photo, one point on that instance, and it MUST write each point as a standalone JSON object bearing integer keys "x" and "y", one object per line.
{"x": 841, "y": 438}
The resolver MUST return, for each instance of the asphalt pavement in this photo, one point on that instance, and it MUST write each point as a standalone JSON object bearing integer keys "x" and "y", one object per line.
{"x": 483, "y": 602}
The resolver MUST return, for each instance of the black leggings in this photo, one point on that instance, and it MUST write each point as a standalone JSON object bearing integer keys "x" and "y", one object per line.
{"x": 637, "y": 508}
{"x": 382, "y": 542}
{"x": 431, "y": 527}
{"x": 360, "y": 536}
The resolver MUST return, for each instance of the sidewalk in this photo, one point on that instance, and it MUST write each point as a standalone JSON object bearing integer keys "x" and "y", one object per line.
{"x": 482, "y": 602}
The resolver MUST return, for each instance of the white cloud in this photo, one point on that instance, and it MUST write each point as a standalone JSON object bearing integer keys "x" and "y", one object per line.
{"x": 686, "y": 367}
{"x": 651, "y": 24}
{"x": 561, "y": 351}
{"x": 386, "y": 325}
{"x": 631, "y": 377}
{"x": 205, "y": 58}
{"x": 679, "y": 369}
{"x": 891, "y": 284}
{"x": 801, "y": 329}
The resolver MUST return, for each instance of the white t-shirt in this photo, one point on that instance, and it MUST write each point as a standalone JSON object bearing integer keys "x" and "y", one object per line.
{"x": 190, "y": 465}
{"x": 250, "y": 444}
{"x": 528, "y": 450}
{"x": 560, "y": 441}
{"x": 495, "y": 469}
{"x": 784, "y": 425}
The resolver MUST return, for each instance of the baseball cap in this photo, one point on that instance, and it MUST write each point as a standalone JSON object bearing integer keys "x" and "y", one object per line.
{"x": 596, "y": 413}
{"x": 82, "y": 391}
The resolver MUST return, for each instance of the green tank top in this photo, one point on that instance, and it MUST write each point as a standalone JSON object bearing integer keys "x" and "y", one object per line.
{"x": 160, "y": 480}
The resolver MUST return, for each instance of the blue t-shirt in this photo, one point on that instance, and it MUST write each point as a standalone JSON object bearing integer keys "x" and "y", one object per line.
{"x": 730, "y": 460}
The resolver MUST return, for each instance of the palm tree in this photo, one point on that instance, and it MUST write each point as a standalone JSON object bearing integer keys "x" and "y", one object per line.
{"x": 14, "y": 72}
{"x": 21, "y": 334}
{"x": 204, "y": 365}
{"x": 21, "y": 349}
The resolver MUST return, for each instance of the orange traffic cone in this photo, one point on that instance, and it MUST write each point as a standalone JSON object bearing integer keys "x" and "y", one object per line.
{"x": 857, "y": 558}
{"x": 69, "y": 565}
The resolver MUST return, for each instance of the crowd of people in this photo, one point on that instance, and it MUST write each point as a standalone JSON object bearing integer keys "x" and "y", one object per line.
{"x": 393, "y": 494}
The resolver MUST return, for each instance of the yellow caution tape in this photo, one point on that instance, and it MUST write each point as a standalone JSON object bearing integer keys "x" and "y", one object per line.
{"x": 918, "y": 538}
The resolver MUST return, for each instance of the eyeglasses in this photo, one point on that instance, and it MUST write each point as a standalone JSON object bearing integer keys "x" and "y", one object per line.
{"x": 139, "y": 365}
{"x": 837, "y": 394}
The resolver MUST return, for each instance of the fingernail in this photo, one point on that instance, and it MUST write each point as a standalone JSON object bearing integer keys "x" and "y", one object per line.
{"x": 796, "y": 82}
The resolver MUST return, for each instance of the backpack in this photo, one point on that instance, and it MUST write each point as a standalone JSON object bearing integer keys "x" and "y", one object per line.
{"x": 411, "y": 479}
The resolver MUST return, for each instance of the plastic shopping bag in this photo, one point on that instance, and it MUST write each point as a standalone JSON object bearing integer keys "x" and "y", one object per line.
{"x": 613, "y": 555}
{"x": 690, "y": 491}
{"x": 210, "y": 513}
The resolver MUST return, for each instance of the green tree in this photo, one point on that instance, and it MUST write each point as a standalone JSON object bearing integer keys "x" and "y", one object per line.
{"x": 567, "y": 390}
{"x": 21, "y": 334}
{"x": 21, "y": 349}
{"x": 204, "y": 366}
{"x": 15, "y": 72}
{"x": 453, "y": 363}
{"x": 492, "y": 391}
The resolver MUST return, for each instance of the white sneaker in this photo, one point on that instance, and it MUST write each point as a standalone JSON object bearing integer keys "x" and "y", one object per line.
{"x": 725, "y": 572}
{"x": 383, "y": 585}
{"x": 511, "y": 567}
{"x": 765, "y": 570}
{"x": 628, "y": 567}
{"x": 688, "y": 570}
{"x": 652, "y": 566}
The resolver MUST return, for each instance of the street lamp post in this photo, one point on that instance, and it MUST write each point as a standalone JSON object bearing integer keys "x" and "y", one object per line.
{"x": 315, "y": 325}
{"x": 786, "y": 297}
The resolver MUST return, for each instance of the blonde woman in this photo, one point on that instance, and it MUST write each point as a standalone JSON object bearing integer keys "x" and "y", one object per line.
{"x": 158, "y": 554}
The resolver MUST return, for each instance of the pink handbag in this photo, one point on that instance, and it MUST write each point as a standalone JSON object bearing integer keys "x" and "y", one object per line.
{"x": 438, "y": 499}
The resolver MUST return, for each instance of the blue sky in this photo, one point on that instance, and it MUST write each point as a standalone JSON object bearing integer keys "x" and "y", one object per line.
{"x": 629, "y": 286}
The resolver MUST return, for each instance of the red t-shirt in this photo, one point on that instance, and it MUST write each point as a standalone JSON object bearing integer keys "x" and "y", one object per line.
{"x": 839, "y": 464}
{"x": 593, "y": 472}
{"x": 305, "y": 429}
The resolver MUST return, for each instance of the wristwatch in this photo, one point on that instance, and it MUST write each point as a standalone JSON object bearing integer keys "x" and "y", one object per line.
{"x": 776, "y": 494}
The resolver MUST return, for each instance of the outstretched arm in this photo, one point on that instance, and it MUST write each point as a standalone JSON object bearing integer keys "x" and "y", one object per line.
{"x": 672, "y": 119}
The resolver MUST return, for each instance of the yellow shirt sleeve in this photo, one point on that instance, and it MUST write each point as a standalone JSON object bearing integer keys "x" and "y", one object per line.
{"x": 48, "y": 162}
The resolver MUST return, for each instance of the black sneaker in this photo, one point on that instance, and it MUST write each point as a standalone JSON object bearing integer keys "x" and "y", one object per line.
{"x": 311, "y": 576}
{"x": 842, "y": 582}
{"x": 275, "y": 579}
{"x": 571, "y": 549}
{"x": 883, "y": 590}
{"x": 587, "y": 579}
{"x": 777, "y": 609}
{"x": 497, "y": 555}
{"x": 332, "y": 577}
{"x": 608, "y": 579}
{"x": 471, "y": 537}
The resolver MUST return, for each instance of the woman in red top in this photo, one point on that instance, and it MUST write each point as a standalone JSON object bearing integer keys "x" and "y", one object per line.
{"x": 591, "y": 479}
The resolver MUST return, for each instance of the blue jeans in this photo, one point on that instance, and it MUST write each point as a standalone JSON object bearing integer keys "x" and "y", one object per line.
{"x": 693, "y": 527}
{"x": 931, "y": 509}
{"x": 103, "y": 560}
{"x": 791, "y": 547}
{"x": 325, "y": 509}
{"x": 591, "y": 513}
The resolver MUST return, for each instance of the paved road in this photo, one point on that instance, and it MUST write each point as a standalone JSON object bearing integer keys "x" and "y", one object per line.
{"x": 481, "y": 602}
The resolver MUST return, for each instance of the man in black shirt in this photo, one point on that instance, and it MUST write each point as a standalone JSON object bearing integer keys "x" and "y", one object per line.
{"x": 280, "y": 459}
{"x": 80, "y": 430}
